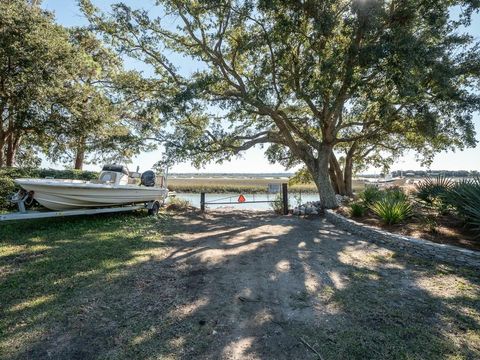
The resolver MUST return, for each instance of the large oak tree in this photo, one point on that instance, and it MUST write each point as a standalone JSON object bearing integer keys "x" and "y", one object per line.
{"x": 304, "y": 77}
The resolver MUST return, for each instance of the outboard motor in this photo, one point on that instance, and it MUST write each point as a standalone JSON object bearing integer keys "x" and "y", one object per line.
{"x": 148, "y": 178}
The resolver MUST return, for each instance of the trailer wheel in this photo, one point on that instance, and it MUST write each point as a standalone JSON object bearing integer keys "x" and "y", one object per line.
{"x": 154, "y": 210}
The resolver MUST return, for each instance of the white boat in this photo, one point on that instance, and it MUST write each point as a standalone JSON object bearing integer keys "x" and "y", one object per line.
{"x": 112, "y": 188}
{"x": 387, "y": 181}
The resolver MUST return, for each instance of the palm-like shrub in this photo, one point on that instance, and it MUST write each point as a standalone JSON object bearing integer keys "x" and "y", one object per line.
{"x": 431, "y": 190}
{"x": 464, "y": 197}
{"x": 396, "y": 193}
{"x": 357, "y": 209}
{"x": 392, "y": 209}
{"x": 370, "y": 194}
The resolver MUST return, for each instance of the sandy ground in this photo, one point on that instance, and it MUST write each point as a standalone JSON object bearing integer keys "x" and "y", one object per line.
{"x": 253, "y": 278}
{"x": 259, "y": 286}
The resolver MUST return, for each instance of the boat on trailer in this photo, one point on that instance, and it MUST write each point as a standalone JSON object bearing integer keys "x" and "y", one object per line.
{"x": 115, "y": 190}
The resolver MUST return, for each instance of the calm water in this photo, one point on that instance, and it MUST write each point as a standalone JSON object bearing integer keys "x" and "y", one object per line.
{"x": 194, "y": 199}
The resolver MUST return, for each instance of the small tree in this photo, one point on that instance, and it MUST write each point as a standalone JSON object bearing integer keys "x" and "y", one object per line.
{"x": 65, "y": 93}
{"x": 36, "y": 60}
{"x": 93, "y": 115}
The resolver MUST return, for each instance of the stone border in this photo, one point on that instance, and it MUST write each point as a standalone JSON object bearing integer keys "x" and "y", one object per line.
{"x": 413, "y": 246}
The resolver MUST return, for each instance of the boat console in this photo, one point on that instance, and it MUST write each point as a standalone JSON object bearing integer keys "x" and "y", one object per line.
{"x": 114, "y": 174}
{"x": 112, "y": 177}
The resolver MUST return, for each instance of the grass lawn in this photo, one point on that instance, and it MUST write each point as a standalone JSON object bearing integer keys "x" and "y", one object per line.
{"x": 236, "y": 286}
{"x": 52, "y": 270}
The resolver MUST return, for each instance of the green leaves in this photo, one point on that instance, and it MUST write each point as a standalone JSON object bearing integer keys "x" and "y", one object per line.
{"x": 305, "y": 76}
{"x": 64, "y": 92}
{"x": 431, "y": 190}
{"x": 370, "y": 195}
{"x": 357, "y": 209}
{"x": 464, "y": 197}
{"x": 392, "y": 208}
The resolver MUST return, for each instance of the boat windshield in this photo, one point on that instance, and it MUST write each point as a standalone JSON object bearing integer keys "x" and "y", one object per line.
{"x": 107, "y": 177}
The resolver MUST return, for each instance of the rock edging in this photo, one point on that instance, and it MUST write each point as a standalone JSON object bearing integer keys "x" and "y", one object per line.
{"x": 413, "y": 246}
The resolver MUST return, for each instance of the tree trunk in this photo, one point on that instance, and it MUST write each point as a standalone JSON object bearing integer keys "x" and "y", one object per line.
{"x": 338, "y": 174}
{"x": 348, "y": 173}
{"x": 2, "y": 145}
{"x": 13, "y": 142}
{"x": 321, "y": 177}
{"x": 5, "y": 113}
{"x": 333, "y": 179}
{"x": 80, "y": 155}
{"x": 2, "y": 133}
{"x": 348, "y": 170}
{"x": 15, "y": 145}
{"x": 10, "y": 150}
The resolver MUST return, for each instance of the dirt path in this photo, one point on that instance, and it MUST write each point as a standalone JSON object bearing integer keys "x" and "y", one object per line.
{"x": 257, "y": 286}
{"x": 269, "y": 287}
{"x": 254, "y": 276}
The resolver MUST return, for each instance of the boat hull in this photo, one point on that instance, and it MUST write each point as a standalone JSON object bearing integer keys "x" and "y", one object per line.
{"x": 72, "y": 194}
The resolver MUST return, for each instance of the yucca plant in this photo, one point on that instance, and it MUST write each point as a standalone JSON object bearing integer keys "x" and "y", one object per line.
{"x": 357, "y": 209}
{"x": 431, "y": 190}
{"x": 392, "y": 209}
{"x": 396, "y": 193}
{"x": 370, "y": 194}
{"x": 464, "y": 197}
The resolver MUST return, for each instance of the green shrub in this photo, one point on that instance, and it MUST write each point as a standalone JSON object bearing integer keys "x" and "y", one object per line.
{"x": 7, "y": 187}
{"x": 431, "y": 190}
{"x": 177, "y": 204}
{"x": 391, "y": 209}
{"x": 67, "y": 174}
{"x": 430, "y": 222}
{"x": 396, "y": 193}
{"x": 464, "y": 197}
{"x": 357, "y": 209}
{"x": 370, "y": 194}
{"x": 15, "y": 173}
{"x": 277, "y": 204}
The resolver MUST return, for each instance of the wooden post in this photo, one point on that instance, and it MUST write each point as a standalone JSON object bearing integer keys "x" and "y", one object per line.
{"x": 202, "y": 201}
{"x": 285, "y": 198}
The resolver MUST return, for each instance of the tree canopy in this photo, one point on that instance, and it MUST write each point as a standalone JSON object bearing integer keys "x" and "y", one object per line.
{"x": 64, "y": 93}
{"x": 305, "y": 77}
{"x": 35, "y": 60}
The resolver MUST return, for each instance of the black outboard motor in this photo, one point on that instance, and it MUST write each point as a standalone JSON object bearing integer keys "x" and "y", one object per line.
{"x": 148, "y": 178}
{"x": 116, "y": 168}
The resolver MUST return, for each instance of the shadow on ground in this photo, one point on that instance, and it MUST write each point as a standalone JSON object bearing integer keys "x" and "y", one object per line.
{"x": 226, "y": 285}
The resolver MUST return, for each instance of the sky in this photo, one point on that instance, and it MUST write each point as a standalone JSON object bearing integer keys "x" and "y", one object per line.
{"x": 67, "y": 13}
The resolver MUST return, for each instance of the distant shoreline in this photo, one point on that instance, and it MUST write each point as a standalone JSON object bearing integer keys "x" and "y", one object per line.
{"x": 238, "y": 185}
{"x": 287, "y": 175}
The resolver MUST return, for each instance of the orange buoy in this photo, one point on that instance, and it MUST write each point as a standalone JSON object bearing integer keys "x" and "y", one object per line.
{"x": 241, "y": 199}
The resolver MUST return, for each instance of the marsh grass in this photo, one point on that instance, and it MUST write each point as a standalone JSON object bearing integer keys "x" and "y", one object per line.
{"x": 237, "y": 185}
{"x": 228, "y": 185}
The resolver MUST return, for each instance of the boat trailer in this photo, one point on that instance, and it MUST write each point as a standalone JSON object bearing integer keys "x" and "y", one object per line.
{"x": 23, "y": 199}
